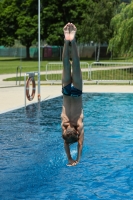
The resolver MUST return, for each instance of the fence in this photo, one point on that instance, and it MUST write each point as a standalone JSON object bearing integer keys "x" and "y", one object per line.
{"x": 52, "y": 52}
{"x": 12, "y": 52}
{"x": 18, "y": 72}
{"x": 111, "y": 71}
{"x": 94, "y": 72}
{"x": 54, "y": 71}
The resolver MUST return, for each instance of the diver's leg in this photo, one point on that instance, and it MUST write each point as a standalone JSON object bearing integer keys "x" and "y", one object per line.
{"x": 76, "y": 71}
{"x": 66, "y": 73}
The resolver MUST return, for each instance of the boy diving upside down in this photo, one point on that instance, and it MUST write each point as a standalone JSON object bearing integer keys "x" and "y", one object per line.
{"x": 72, "y": 114}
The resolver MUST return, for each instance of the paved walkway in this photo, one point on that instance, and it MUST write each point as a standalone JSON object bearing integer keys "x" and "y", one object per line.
{"x": 12, "y": 97}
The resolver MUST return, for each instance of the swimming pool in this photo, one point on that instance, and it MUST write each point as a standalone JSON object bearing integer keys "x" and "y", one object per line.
{"x": 33, "y": 161}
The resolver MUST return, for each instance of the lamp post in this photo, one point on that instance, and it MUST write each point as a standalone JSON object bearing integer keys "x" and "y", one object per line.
{"x": 39, "y": 95}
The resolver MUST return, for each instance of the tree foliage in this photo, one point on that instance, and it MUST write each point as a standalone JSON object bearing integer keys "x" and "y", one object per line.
{"x": 27, "y": 20}
{"x": 1, "y": 27}
{"x": 19, "y": 20}
{"x": 122, "y": 24}
{"x": 8, "y": 22}
{"x": 96, "y": 20}
{"x": 56, "y": 14}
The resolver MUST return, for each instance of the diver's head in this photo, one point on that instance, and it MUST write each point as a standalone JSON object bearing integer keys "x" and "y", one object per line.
{"x": 70, "y": 135}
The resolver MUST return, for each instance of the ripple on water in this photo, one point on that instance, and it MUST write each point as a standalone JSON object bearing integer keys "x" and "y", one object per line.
{"x": 33, "y": 161}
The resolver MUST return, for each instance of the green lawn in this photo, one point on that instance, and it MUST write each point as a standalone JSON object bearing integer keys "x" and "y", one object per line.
{"x": 9, "y": 66}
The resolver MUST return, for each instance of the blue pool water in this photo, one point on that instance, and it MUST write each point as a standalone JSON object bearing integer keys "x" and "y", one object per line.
{"x": 33, "y": 161}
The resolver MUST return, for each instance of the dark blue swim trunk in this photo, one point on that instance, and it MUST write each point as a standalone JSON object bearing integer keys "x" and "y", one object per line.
{"x": 70, "y": 90}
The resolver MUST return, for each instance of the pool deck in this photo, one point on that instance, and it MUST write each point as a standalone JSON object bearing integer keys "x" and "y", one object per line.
{"x": 13, "y": 97}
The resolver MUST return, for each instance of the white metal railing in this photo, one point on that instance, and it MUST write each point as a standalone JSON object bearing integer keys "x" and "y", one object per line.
{"x": 111, "y": 71}
{"x": 54, "y": 71}
{"x": 94, "y": 72}
{"x": 18, "y": 71}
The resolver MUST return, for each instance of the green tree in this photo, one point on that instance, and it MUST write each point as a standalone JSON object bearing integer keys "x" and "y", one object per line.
{"x": 27, "y": 20}
{"x": 122, "y": 24}
{"x": 8, "y": 22}
{"x": 96, "y": 22}
{"x": 19, "y": 21}
{"x": 56, "y": 14}
{"x": 1, "y": 27}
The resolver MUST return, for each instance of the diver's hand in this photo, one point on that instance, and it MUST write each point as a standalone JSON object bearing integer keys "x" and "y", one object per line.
{"x": 72, "y": 163}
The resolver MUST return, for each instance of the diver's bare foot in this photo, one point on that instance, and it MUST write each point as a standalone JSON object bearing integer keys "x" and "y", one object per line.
{"x": 66, "y": 30}
{"x": 69, "y": 31}
{"x": 72, "y": 32}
